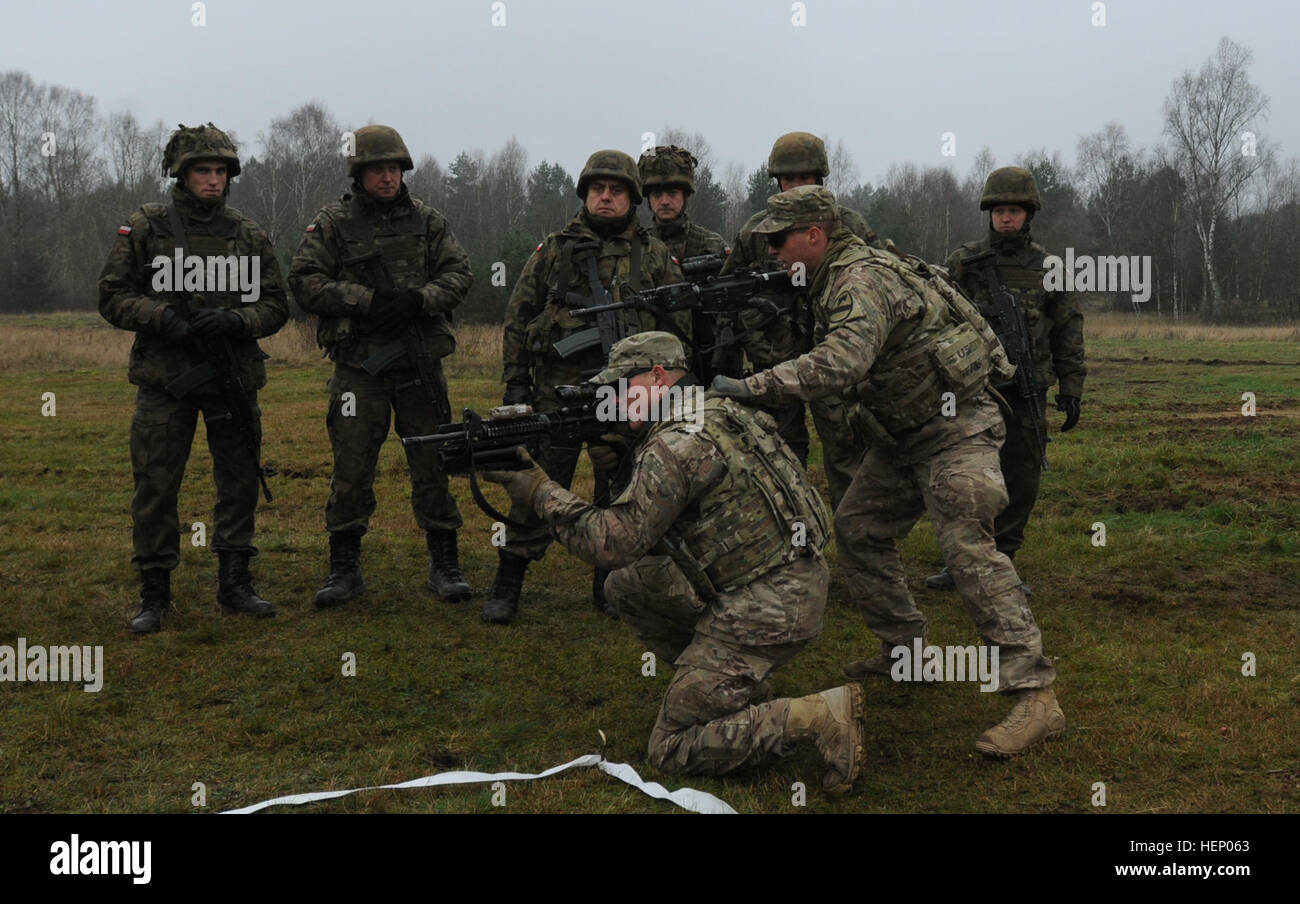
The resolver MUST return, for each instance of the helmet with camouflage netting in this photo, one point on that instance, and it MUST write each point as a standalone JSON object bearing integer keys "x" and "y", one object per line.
{"x": 1010, "y": 185}
{"x": 613, "y": 164}
{"x": 798, "y": 152}
{"x": 189, "y": 144}
{"x": 377, "y": 144}
{"x": 667, "y": 166}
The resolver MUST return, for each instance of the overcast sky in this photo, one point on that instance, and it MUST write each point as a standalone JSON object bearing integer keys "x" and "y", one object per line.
{"x": 569, "y": 76}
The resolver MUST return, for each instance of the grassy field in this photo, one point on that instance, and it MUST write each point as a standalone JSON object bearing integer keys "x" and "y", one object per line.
{"x": 1201, "y": 565}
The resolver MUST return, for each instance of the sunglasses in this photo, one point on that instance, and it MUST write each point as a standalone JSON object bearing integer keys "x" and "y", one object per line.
{"x": 775, "y": 240}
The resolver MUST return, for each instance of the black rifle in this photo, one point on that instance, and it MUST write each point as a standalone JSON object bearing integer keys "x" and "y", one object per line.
{"x": 702, "y": 265}
{"x": 220, "y": 368}
{"x": 479, "y": 443}
{"x": 605, "y": 332}
{"x": 1012, "y": 331}
{"x": 709, "y": 297}
{"x": 410, "y": 345}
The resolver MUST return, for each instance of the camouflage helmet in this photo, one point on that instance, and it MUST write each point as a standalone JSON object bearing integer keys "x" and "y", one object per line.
{"x": 1010, "y": 185}
{"x": 611, "y": 163}
{"x": 189, "y": 144}
{"x": 798, "y": 152}
{"x": 377, "y": 144}
{"x": 667, "y": 166}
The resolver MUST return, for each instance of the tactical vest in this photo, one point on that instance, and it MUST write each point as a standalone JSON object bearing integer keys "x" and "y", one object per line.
{"x": 556, "y": 320}
{"x": 402, "y": 242}
{"x": 218, "y": 236}
{"x": 949, "y": 347}
{"x": 754, "y": 518}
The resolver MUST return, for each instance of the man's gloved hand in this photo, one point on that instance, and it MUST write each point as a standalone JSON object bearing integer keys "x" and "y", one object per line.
{"x": 607, "y": 453}
{"x": 518, "y": 392}
{"x": 728, "y": 388}
{"x": 1071, "y": 406}
{"x": 174, "y": 328}
{"x": 210, "y": 323}
{"x": 521, "y": 484}
{"x": 392, "y": 309}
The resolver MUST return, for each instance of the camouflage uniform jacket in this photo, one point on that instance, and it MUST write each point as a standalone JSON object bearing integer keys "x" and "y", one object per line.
{"x": 768, "y": 344}
{"x": 686, "y": 239}
{"x": 867, "y": 319}
{"x": 537, "y": 317}
{"x": 419, "y": 251}
{"x": 128, "y": 300}
{"x": 714, "y": 482}
{"x": 1054, "y": 320}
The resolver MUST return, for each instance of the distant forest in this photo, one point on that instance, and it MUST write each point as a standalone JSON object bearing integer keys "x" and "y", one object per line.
{"x": 1214, "y": 205}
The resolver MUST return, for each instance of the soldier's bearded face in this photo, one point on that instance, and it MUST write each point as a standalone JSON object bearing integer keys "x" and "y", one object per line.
{"x": 789, "y": 182}
{"x": 382, "y": 180}
{"x": 667, "y": 203}
{"x": 608, "y": 198}
{"x": 206, "y": 179}
{"x": 1008, "y": 217}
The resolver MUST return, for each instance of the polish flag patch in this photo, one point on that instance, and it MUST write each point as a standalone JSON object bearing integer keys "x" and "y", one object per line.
{"x": 539, "y": 246}
{"x": 311, "y": 228}
{"x": 124, "y": 230}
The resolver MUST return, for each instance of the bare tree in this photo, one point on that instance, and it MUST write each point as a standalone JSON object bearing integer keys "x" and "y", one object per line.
{"x": 844, "y": 172}
{"x": 1106, "y": 164}
{"x": 302, "y": 167}
{"x": 1210, "y": 117}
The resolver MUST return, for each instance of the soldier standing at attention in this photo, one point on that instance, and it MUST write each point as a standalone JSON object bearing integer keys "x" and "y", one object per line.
{"x": 713, "y": 494}
{"x": 798, "y": 158}
{"x": 1054, "y": 325}
{"x": 602, "y": 250}
{"x": 668, "y": 180}
{"x": 887, "y": 338}
{"x": 382, "y": 267}
{"x": 181, "y": 336}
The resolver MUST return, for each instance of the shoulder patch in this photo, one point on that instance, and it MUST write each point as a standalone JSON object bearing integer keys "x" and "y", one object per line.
{"x": 311, "y": 228}
{"x": 539, "y": 247}
{"x": 124, "y": 230}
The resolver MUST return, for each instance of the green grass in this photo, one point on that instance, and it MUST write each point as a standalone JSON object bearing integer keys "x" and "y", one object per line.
{"x": 1200, "y": 566}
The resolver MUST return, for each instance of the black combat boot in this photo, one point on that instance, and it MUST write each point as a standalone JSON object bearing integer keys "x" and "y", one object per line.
{"x": 345, "y": 580}
{"x": 445, "y": 578}
{"x": 235, "y": 592}
{"x": 155, "y": 599}
{"x": 598, "y": 599}
{"x": 503, "y": 601}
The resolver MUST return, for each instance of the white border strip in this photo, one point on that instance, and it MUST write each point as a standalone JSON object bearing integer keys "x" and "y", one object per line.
{"x": 686, "y": 798}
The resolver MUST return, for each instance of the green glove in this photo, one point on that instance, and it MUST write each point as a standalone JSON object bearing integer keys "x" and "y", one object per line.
{"x": 728, "y": 388}
{"x": 521, "y": 484}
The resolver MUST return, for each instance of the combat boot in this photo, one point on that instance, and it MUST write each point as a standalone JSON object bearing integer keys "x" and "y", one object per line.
{"x": 877, "y": 665}
{"x": 345, "y": 580}
{"x": 445, "y": 578}
{"x": 834, "y": 720}
{"x": 155, "y": 600}
{"x": 941, "y": 581}
{"x": 235, "y": 593}
{"x": 503, "y": 601}
{"x": 598, "y": 598}
{"x": 1035, "y": 717}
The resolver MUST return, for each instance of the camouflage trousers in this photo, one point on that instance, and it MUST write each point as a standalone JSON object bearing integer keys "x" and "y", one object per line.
{"x": 162, "y": 432}
{"x": 1022, "y": 468}
{"x": 962, "y": 489}
{"x": 841, "y": 449}
{"x": 710, "y": 722}
{"x": 358, "y": 427}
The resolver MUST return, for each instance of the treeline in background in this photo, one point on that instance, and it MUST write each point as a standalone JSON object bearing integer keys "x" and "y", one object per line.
{"x": 1213, "y": 205}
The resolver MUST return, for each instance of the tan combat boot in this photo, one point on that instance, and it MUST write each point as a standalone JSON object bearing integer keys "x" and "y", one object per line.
{"x": 834, "y": 720}
{"x": 1035, "y": 717}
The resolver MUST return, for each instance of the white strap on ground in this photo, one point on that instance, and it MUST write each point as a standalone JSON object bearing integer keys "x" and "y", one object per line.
{"x": 686, "y": 798}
